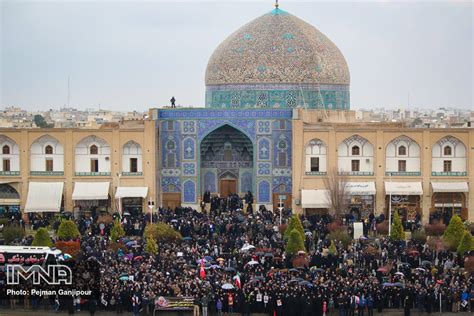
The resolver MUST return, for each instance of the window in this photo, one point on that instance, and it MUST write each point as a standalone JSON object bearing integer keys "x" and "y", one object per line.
{"x": 170, "y": 160}
{"x": 315, "y": 164}
{"x": 402, "y": 166}
{"x": 170, "y": 145}
{"x": 93, "y": 150}
{"x": 227, "y": 151}
{"x": 49, "y": 164}
{"x": 6, "y": 164}
{"x": 355, "y": 165}
{"x": 6, "y": 150}
{"x": 355, "y": 151}
{"x": 48, "y": 150}
{"x": 402, "y": 151}
{"x": 94, "y": 165}
{"x": 282, "y": 159}
{"x": 282, "y": 124}
{"x": 170, "y": 125}
{"x": 133, "y": 165}
{"x": 447, "y": 166}
{"x": 448, "y": 151}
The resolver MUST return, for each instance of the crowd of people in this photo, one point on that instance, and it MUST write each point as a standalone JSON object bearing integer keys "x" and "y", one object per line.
{"x": 229, "y": 260}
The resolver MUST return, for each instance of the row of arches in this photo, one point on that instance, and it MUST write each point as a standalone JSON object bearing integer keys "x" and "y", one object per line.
{"x": 402, "y": 156}
{"x": 92, "y": 155}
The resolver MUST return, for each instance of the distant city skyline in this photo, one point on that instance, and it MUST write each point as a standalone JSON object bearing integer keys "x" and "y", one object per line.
{"x": 130, "y": 56}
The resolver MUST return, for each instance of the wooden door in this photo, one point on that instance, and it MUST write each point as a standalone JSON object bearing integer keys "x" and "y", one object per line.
{"x": 227, "y": 187}
{"x": 286, "y": 200}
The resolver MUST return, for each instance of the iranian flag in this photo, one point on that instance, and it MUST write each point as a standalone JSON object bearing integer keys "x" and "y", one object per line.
{"x": 202, "y": 272}
{"x": 237, "y": 280}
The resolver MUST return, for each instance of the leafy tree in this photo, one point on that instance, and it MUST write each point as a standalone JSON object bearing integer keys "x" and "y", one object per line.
{"x": 41, "y": 122}
{"x": 332, "y": 248}
{"x": 68, "y": 230}
{"x": 397, "y": 232}
{"x": 342, "y": 236}
{"x": 42, "y": 238}
{"x": 294, "y": 223}
{"x": 454, "y": 232}
{"x": 161, "y": 232}
{"x": 117, "y": 231}
{"x": 295, "y": 243}
{"x": 12, "y": 232}
{"x": 419, "y": 236}
{"x": 466, "y": 244}
{"x": 151, "y": 246}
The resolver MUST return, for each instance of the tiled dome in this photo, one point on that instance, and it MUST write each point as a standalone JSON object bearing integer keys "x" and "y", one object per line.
{"x": 277, "y": 48}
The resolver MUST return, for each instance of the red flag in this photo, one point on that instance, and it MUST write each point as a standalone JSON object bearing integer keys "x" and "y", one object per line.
{"x": 202, "y": 272}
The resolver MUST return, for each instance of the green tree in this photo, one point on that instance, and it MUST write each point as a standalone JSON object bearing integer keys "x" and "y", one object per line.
{"x": 68, "y": 230}
{"x": 294, "y": 223}
{"x": 454, "y": 232}
{"x": 40, "y": 121}
{"x": 12, "y": 233}
{"x": 332, "y": 248}
{"x": 397, "y": 231}
{"x": 342, "y": 236}
{"x": 117, "y": 231}
{"x": 161, "y": 232}
{"x": 42, "y": 238}
{"x": 466, "y": 244}
{"x": 151, "y": 246}
{"x": 295, "y": 243}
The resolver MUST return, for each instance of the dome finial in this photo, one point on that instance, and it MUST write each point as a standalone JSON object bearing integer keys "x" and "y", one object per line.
{"x": 276, "y": 4}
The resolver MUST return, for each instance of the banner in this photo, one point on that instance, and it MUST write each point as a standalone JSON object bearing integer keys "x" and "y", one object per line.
{"x": 174, "y": 303}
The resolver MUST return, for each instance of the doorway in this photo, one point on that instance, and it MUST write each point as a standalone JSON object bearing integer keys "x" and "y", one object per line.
{"x": 228, "y": 187}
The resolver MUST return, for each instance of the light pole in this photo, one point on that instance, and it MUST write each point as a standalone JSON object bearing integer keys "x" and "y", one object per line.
{"x": 150, "y": 206}
{"x": 390, "y": 206}
{"x": 280, "y": 207}
{"x": 119, "y": 198}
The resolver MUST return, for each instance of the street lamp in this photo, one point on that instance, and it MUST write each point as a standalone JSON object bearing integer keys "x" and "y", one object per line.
{"x": 390, "y": 206}
{"x": 150, "y": 206}
{"x": 280, "y": 207}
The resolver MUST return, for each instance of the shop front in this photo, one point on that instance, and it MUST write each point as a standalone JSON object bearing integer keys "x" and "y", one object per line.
{"x": 91, "y": 198}
{"x": 360, "y": 198}
{"x": 404, "y": 198}
{"x": 130, "y": 200}
{"x": 9, "y": 201}
{"x": 315, "y": 202}
{"x": 448, "y": 198}
{"x": 44, "y": 197}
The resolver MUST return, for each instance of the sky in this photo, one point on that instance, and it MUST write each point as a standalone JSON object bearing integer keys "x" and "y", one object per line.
{"x": 130, "y": 55}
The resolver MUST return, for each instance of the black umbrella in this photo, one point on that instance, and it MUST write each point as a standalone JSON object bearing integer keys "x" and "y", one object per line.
{"x": 229, "y": 269}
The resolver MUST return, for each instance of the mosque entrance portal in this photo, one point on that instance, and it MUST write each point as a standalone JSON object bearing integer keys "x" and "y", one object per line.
{"x": 226, "y": 162}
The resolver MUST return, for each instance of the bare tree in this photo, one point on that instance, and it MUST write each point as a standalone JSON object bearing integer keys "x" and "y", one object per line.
{"x": 336, "y": 184}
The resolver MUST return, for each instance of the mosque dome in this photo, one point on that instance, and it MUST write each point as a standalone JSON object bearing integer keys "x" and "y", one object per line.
{"x": 277, "y": 60}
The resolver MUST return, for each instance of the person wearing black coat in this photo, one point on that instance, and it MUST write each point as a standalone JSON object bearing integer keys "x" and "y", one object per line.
{"x": 92, "y": 305}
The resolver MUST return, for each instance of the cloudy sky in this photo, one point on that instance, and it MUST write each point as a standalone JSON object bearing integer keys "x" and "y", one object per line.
{"x": 129, "y": 55}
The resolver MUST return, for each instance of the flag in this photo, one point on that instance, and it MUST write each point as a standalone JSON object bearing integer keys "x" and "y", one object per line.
{"x": 237, "y": 280}
{"x": 202, "y": 272}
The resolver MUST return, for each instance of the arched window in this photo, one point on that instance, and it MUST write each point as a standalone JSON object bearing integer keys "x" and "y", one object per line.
{"x": 227, "y": 151}
{"x": 355, "y": 151}
{"x": 448, "y": 151}
{"x": 170, "y": 145}
{"x": 48, "y": 150}
{"x": 282, "y": 144}
{"x": 402, "y": 151}
{"x": 6, "y": 150}
{"x": 93, "y": 150}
